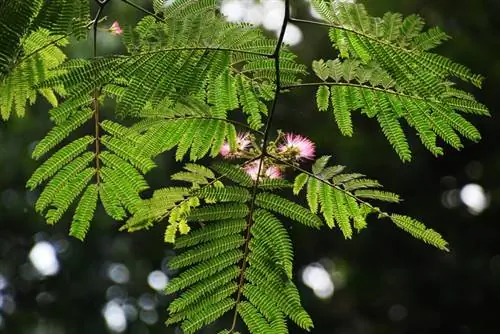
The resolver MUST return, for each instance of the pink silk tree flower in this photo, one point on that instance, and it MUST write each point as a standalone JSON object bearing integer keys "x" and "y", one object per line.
{"x": 273, "y": 172}
{"x": 115, "y": 29}
{"x": 298, "y": 146}
{"x": 242, "y": 143}
{"x": 252, "y": 169}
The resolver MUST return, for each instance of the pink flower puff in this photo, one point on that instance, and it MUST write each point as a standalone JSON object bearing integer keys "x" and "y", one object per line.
{"x": 115, "y": 29}
{"x": 271, "y": 172}
{"x": 242, "y": 143}
{"x": 298, "y": 147}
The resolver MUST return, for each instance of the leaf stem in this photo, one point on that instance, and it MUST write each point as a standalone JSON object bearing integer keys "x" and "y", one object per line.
{"x": 276, "y": 56}
{"x": 97, "y": 135}
{"x": 349, "y": 84}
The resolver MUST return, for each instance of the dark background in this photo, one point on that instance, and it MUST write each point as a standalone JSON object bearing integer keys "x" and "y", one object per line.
{"x": 385, "y": 281}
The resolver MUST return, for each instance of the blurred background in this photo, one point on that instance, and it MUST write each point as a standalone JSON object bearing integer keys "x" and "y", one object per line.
{"x": 382, "y": 281}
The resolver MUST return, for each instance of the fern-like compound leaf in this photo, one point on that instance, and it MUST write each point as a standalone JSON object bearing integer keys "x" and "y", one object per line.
{"x": 419, "y": 231}
{"x": 385, "y": 69}
{"x": 84, "y": 213}
{"x": 58, "y": 160}
{"x": 288, "y": 209}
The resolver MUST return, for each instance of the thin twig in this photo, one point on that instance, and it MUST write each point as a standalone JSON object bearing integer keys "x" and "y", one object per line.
{"x": 346, "y": 29}
{"x": 101, "y": 5}
{"x": 144, "y": 10}
{"x": 267, "y": 128}
{"x": 349, "y": 84}
{"x": 316, "y": 177}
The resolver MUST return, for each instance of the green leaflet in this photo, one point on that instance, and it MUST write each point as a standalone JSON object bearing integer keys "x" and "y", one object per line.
{"x": 419, "y": 231}
{"x": 288, "y": 209}
{"x": 84, "y": 213}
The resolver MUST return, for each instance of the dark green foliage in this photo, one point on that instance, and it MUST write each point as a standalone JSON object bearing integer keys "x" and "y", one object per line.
{"x": 32, "y": 33}
{"x": 187, "y": 72}
{"x": 385, "y": 70}
{"x": 341, "y": 198}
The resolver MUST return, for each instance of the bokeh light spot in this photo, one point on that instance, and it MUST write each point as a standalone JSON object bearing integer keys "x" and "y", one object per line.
{"x": 157, "y": 280}
{"x": 474, "y": 197}
{"x": 43, "y": 258}
{"x": 118, "y": 273}
{"x": 114, "y": 316}
{"x": 3, "y": 282}
{"x": 318, "y": 279}
{"x": 147, "y": 301}
{"x": 149, "y": 317}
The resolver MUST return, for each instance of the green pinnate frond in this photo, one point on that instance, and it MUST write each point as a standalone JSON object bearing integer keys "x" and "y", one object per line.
{"x": 274, "y": 184}
{"x": 331, "y": 172}
{"x": 345, "y": 177}
{"x": 156, "y": 208}
{"x": 191, "y": 297}
{"x": 195, "y": 309}
{"x": 430, "y": 39}
{"x": 254, "y": 320}
{"x": 468, "y": 106}
{"x": 123, "y": 188}
{"x": 249, "y": 102}
{"x": 219, "y": 211}
{"x": 206, "y": 251}
{"x": 322, "y": 98}
{"x": 457, "y": 122}
{"x": 340, "y": 197}
{"x": 341, "y": 110}
{"x": 60, "y": 132}
{"x": 394, "y": 133}
{"x": 272, "y": 233}
{"x": 380, "y": 195}
{"x": 419, "y": 231}
{"x": 225, "y": 194}
{"x": 58, "y": 160}
{"x": 320, "y": 68}
{"x": 190, "y": 126}
{"x": 334, "y": 209}
{"x": 126, "y": 151}
{"x": 288, "y": 209}
{"x": 111, "y": 202}
{"x": 203, "y": 270}
{"x": 210, "y": 314}
{"x": 127, "y": 171}
{"x": 283, "y": 293}
{"x": 411, "y": 27}
{"x": 68, "y": 194}
{"x": 361, "y": 183}
{"x": 84, "y": 212}
{"x": 211, "y": 232}
{"x": 200, "y": 170}
{"x": 123, "y": 132}
{"x": 233, "y": 173}
{"x": 60, "y": 179}
{"x": 312, "y": 194}
{"x": 355, "y": 212}
{"x": 388, "y": 71}
{"x": 444, "y": 130}
{"x": 273, "y": 321}
{"x": 65, "y": 110}
{"x": 65, "y": 17}
{"x": 194, "y": 178}
{"x": 299, "y": 182}
{"x": 392, "y": 24}
{"x": 320, "y": 164}
{"x": 19, "y": 86}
